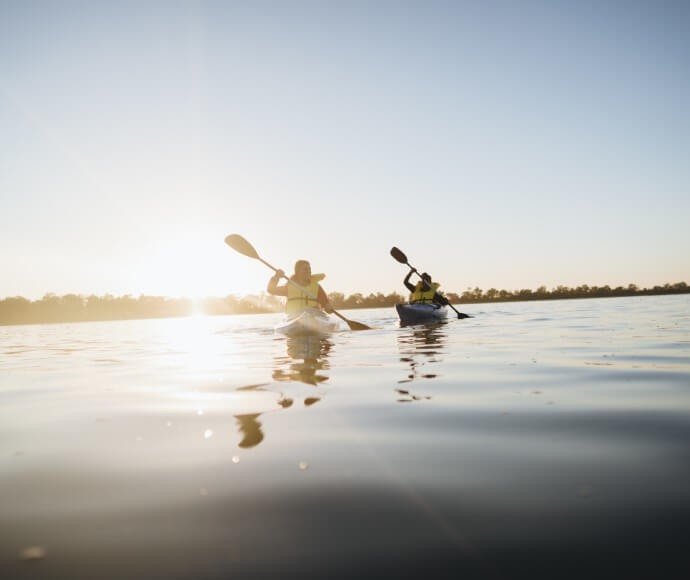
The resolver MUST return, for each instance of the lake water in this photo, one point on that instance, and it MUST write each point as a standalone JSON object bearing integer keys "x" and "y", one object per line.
{"x": 535, "y": 440}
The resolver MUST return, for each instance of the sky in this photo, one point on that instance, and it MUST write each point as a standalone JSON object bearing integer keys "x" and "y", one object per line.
{"x": 498, "y": 144}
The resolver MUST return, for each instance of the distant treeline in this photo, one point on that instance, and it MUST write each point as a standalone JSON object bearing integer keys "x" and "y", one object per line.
{"x": 561, "y": 292}
{"x": 477, "y": 295}
{"x": 78, "y": 308}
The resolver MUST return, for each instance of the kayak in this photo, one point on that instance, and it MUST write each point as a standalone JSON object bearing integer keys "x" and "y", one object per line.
{"x": 417, "y": 313}
{"x": 307, "y": 321}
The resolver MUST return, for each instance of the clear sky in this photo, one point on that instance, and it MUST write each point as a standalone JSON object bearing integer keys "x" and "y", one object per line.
{"x": 499, "y": 144}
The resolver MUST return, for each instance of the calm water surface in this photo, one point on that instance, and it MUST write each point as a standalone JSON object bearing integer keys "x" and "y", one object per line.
{"x": 535, "y": 440}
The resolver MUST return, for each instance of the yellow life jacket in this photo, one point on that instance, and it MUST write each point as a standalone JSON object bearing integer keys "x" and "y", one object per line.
{"x": 298, "y": 299}
{"x": 419, "y": 296}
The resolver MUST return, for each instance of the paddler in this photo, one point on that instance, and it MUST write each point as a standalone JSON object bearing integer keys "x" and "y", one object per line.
{"x": 303, "y": 297}
{"x": 425, "y": 291}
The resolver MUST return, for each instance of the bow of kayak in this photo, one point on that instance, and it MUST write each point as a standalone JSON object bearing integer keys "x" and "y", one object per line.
{"x": 305, "y": 322}
{"x": 420, "y": 313}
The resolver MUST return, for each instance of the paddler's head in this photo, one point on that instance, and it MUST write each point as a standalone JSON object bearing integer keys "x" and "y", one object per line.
{"x": 302, "y": 273}
{"x": 426, "y": 280}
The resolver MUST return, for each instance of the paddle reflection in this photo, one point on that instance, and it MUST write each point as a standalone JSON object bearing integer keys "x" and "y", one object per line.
{"x": 306, "y": 362}
{"x": 421, "y": 347}
{"x": 250, "y": 429}
{"x": 261, "y": 399}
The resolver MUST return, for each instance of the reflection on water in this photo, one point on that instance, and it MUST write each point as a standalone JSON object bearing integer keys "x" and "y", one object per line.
{"x": 420, "y": 346}
{"x": 306, "y": 357}
{"x": 250, "y": 428}
{"x": 305, "y": 362}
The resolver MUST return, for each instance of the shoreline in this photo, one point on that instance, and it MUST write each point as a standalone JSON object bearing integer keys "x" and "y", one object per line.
{"x": 191, "y": 314}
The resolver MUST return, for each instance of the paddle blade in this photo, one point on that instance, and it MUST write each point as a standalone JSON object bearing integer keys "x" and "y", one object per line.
{"x": 398, "y": 255}
{"x": 357, "y": 325}
{"x": 239, "y": 244}
{"x": 351, "y": 323}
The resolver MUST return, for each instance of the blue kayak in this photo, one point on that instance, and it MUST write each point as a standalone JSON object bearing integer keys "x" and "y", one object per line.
{"x": 419, "y": 313}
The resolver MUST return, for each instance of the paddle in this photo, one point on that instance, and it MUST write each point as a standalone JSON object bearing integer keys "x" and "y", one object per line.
{"x": 239, "y": 244}
{"x": 402, "y": 258}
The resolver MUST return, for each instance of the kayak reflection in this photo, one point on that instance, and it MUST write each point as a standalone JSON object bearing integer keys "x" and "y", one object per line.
{"x": 421, "y": 347}
{"x": 306, "y": 361}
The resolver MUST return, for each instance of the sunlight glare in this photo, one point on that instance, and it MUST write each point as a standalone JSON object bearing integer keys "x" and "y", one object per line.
{"x": 195, "y": 267}
{"x": 198, "y": 345}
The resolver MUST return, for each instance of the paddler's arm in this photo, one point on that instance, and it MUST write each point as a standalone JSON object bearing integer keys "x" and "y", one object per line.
{"x": 407, "y": 283}
{"x": 273, "y": 287}
{"x": 323, "y": 300}
{"x": 441, "y": 299}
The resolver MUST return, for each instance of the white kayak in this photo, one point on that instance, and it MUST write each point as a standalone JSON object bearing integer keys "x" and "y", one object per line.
{"x": 307, "y": 321}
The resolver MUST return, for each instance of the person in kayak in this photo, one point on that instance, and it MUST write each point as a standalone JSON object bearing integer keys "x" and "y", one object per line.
{"x": 296, "y": 297}
{"x": 425, "y": 291}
